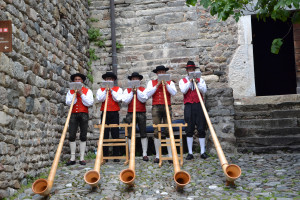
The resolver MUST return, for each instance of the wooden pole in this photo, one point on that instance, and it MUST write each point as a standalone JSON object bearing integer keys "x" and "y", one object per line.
{"x": 92, "y": 177}
{"x": 127, "y": 176}
{"x": 181, "y": 178}
{"x": 43, "y": 186}
{"x": 231, "y": 171}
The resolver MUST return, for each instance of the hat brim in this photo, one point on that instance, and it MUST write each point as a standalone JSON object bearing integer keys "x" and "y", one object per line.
{"x": 104, "y": 76}
{"x": 165, "y": 69}
{"x": 83, "y": 77}
{"x": 186, "y": 67}
{"x": 139, "y": 76}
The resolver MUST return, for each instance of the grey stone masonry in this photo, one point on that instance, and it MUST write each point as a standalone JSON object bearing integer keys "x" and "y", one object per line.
{"x": 155, "y": 32}
{"x": 49, "y": 43}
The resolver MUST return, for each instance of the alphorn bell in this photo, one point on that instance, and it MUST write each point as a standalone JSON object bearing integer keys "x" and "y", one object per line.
{"x": 181, "y": 178}
{"x": 231, "y": 171}
{"x": 127, "y": 176}
{"x": 43, "y": 186}
{"x": 92, "y": 177}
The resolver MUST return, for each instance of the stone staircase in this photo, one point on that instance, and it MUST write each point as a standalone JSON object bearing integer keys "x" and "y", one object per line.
{"x": 268, "y": 124}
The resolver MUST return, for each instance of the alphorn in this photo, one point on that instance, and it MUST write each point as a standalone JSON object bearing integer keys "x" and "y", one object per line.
{"x": 43, "y": 186}
{"x": 231, "y": 171}
{"x": 127, "y": 176}
{"x": 92, "y": 177}
{"x": 181, "y": 178}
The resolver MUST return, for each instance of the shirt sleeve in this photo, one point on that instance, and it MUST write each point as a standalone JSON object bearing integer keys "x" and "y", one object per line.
{"x": 202, "y": 86}
{"x": 184, "y": 87}
{"x": 171, "y": 88}
{"x": 127, "y": 97}
{"x": 150, "y": 90}
{"x": 101, "y": 95}
{"x": 117, "y": 96}
{"x": 69, "y": 98}
{"x": 87, "y": 99}
{"x": 142, "y": 96}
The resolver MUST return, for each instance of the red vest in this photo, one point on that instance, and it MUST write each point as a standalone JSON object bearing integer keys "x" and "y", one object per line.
{"x": 111, "y": 104}
{"x": 191, "y": 96}
{"x": 158, "y": 96}
{"x": 140, "y": 107}
{"x": 78, "y": 106}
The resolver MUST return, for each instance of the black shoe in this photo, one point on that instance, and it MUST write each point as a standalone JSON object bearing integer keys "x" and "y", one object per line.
{"x": 189, "y": 157}
{"x": 170, "y": 161}
{"x": 82, "y": 162}
{"x": 156, "y": 160}
{"x": 116, "y": 160}
{"x": 145, "y": 158}
{"x": 204, "y": 155}
{"x": 70, "y": 162}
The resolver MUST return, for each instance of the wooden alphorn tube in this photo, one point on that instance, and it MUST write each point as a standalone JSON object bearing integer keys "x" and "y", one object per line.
{"x": 231, "y": 171}
{"x": 181, "y": 178}
{"x": 127, "y": 176}
{"x": 92, "y": 177}
{"x": 43, "y": 186}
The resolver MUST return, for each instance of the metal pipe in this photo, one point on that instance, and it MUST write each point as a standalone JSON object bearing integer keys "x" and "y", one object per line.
{"x": 127, "y": 176}
{"x": 43, "y": 186}
{"x": 113, "y": 39}
{"x": 92, "y": 177}
{"x": 232, "y": 171}
{"x": 181, "y": 178}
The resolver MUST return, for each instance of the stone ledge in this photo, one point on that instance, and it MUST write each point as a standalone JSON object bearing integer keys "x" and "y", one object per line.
{"x": 267, "y": 99}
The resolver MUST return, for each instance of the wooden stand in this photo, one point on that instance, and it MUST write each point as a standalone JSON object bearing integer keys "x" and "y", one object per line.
{"x": 165, "y": 142}
{"x": 116, "y": 142}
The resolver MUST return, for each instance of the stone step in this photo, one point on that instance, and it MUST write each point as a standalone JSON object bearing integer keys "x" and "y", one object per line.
{"x": 262, "y": 132}
{"x": 267, "y": 114}
{"x": 266, "y": 123}
{"x": 270, "y": 149}
{"x": 268, "y": 141}
{"x": 266, "y": 107}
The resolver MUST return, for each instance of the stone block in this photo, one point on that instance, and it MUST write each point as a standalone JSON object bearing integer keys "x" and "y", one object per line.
{"x": 169, "y": 18}
{"x": 179, "y": 32}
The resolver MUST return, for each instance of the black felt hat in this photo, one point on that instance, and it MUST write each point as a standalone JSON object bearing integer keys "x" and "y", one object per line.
{"x": 135, "y": 74}
{"x": 190, "y": 64}
{"x": 161, "y": 67}
{"x": 83, "y": 77}
{"x": 109, "y": 74}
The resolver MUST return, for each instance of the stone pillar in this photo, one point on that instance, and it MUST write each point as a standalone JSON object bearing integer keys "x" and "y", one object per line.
{"x": 296, "y": 28}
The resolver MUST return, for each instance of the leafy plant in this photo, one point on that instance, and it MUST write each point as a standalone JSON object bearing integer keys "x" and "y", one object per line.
{"x": 277, "y": 10}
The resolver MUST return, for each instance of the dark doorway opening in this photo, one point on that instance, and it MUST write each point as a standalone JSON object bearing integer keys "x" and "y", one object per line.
{"x": 274, "y": 74}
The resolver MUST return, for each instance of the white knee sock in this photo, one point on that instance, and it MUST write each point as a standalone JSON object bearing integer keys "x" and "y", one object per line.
{"x": 82, "y": 150}
{"x": 129, "y": 142}
{"x": 144, "y": 146}
{"x": 202, "y": 145}
{"x": 169, "y": 149}
{"x": 156, "y": 144}
{"x": 73, "y": 150}
{"x": 189, "y": 141}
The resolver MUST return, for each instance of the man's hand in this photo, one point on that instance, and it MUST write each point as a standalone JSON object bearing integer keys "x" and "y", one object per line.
{"x": 79, "y": 92}
{"x": 134, "y": 90}
{"x": 158, "y": 83}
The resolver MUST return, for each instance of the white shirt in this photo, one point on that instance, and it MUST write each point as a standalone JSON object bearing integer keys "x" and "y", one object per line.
{"x": 127, "y": 97}
{"x": 150, "y": 90}
{"x": 117, "y": 96}
{"x": 184, "y": 87}
{"x": 87, "y": 99}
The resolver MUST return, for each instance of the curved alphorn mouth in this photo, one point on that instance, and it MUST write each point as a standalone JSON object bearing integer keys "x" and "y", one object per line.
{"x": 40, "y": 187}
{"x": 92, "y": 177}
{"x": 127, "y": 176}
{"x": 182, "y": 178}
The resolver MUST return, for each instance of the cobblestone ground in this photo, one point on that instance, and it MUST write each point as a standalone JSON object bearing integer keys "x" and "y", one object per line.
{"x": 267, "y": 176}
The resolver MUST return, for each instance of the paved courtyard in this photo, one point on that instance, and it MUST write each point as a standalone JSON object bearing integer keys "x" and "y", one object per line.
{"x": 264, "y": 176}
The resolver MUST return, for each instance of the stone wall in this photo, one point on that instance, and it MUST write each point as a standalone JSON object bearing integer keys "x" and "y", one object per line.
{"x": 159, "y": 32}
{"x": 49, "y": 43}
